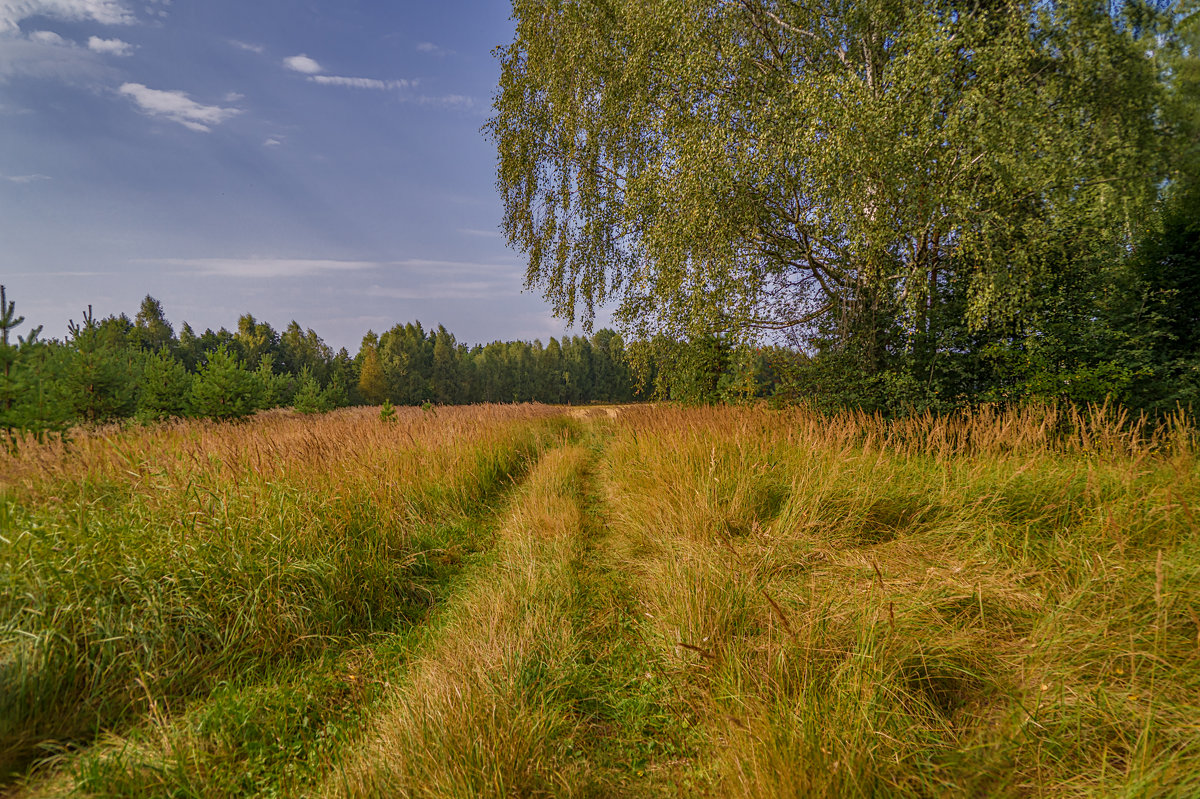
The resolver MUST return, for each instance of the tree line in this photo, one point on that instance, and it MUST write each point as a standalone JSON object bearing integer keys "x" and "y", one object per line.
{"x": 117, "y": 368}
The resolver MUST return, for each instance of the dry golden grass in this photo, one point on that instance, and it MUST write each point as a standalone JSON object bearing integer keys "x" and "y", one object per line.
{"x": 1001, "y": 604}
{"x": 477, "y": 716}
{"x": 727, "y": 602}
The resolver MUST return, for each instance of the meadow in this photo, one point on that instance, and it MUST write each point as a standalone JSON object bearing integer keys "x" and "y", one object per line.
{"x": 636, "y": 601}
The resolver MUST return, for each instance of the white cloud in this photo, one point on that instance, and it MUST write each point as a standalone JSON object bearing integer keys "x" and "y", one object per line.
{"x": 309, "y": 66}
{"x": 177, "y": 107}
{"x": 485, "y": 234}
{"x": 248, "y": 47}
{"x": 45, "y": 54}
{"x": 25, "y": 178}
{"x": 302, "y": 63}
{"x": 430, "y": 48}
{"x": 360, "y": 83}
{"x": 233, "y": 97}
{"x": 109, "y": 46}
{"x": 272, "y": 142}
{"x": 106, "y": 12}
{"x": 48, "y": 37}
{"x": 265, "y": 267}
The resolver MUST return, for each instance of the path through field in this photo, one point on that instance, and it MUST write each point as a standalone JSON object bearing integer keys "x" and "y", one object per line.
{"x": 645, "y": 602}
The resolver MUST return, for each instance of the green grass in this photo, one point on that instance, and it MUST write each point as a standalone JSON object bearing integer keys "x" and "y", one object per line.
{"x": 710, "y": 602}
{"x": 122, "y": 599}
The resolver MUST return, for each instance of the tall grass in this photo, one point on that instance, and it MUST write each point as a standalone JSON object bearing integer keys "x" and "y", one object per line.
{"x": 142, "y": 568}
{"x": 998, "y": 604}
{"x": 706, "y": 602}
{"x": 482, "y": 713}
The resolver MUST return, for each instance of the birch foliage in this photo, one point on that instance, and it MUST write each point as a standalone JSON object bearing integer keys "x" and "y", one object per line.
{"x": 741, "y": 165}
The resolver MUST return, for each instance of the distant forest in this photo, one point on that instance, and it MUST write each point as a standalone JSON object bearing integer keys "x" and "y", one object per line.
{"x": 1134, "y": 341}
{"x": 118, "y": 368}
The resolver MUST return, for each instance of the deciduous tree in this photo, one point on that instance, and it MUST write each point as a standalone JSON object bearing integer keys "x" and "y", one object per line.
{"x": 740, "y": 165}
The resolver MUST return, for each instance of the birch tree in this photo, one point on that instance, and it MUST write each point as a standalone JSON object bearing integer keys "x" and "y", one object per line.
{"x": 751, "y": 165}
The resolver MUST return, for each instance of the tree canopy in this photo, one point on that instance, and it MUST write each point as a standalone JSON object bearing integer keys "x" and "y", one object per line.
{"x": 740, "y": 165}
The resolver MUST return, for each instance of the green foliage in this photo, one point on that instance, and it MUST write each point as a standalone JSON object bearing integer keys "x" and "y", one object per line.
{"x": 308, "y": 397}
{"x": 12, "y": 387}
{"x": 151, "y": 330}
{"x": 334, "y": 395}
{"x": 30, "y": 382}
{"x": 720, "y": 166}
{"x": 223, "y": 388}
{"x": 165, "y": 387}
{"x": 372, "y": 385}
{"x": 274, "y": 390}
{"x": 387, "y": 412}
{"x": 100, "y": 382}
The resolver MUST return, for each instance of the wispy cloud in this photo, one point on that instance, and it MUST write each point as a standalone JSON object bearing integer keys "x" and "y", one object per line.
{"x": 177, "y": 107}
{"x": 360, "y": 83}
{"x": 465, "y": 290}
{"x": 429, "y": 48}
{"x": 59, "y": 274}
{"x": 247, "y": 46}
{"x": 302, "y": 63}
{"x": 441, "y": 267}
{"x": 106, "y": 12}
{"x": 25, "y": 178}
{"x": 109, "y": 46}
{"x": 264, "y": 267}
{"x": 48, "y": 37}
{"x": 459, "y": 101}
{"x": 309, "y": 66}
{"x": 272, "y": 142}
{"x": 483, "y": 234}
{"x": 45, "y": 54}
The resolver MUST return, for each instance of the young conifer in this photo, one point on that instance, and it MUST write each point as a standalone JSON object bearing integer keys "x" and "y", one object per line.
{"x": 223, "y": 389}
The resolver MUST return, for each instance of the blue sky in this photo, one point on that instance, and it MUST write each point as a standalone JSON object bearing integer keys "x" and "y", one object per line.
{"x": 316, "y": 161}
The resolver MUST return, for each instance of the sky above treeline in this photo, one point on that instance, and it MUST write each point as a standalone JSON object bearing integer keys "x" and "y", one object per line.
{"x": 318, "y": 161}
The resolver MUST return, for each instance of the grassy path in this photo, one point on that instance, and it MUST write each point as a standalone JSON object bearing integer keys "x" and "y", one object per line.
{"x": 258, "y": 723}
{"x": 537, "y": 685}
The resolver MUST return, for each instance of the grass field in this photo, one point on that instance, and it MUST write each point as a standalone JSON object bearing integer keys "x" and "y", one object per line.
{"x": 530, "y": 601}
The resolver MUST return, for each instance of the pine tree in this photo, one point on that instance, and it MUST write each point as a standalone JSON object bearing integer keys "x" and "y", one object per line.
{"x": 223, "y": 389}
{"x": 42, "y": 410}
{"x": 100, "y": 380}
{"x": 9, "y": 387}
{"x": 190, "y": 351}
{"x": 274, "y": 390}
{"x": 308, "y": 396}
{"x": 334, "y": 396}
{"x": 444, "y": 381}
{"x": 166, "y": 385}
{"x": 30, "y": 394}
